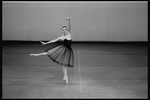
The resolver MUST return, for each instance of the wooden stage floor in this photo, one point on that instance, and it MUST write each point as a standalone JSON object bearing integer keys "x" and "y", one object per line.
{"x": 101, "y": 70}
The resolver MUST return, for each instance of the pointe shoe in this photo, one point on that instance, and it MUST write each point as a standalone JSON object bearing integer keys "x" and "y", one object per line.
{"x": 33, "y": 55}
{"x": 66, "y": 80}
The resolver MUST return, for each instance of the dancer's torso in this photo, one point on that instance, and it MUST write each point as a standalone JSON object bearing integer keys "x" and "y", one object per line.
{"x": 67, "y": 43}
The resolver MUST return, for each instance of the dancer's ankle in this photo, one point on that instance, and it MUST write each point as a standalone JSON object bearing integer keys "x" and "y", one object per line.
{"x": 33, "y": 54}
{"x": 66, "y": 80}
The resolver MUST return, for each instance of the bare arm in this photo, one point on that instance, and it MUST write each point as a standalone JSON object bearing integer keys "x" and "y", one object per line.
{"x": 51, "y": 41}
{"x": 69, "y": 24}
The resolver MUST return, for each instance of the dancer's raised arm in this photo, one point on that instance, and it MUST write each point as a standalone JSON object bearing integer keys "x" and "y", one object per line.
{"x": 69, "y": 24}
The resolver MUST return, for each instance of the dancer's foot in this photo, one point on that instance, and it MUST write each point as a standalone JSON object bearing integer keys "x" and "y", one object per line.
{"x": 33, "y": 54}
{"x": 66, "y": 80}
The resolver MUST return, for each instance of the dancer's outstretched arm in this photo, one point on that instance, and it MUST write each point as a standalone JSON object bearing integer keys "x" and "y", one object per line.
{"x": 51, "y": 41}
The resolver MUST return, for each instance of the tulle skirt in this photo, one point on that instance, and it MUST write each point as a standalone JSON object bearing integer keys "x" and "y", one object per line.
{"x": 61, "y": 55}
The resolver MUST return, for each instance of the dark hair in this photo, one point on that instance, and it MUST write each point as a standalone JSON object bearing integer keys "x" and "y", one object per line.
{"x": 64, "y": 27}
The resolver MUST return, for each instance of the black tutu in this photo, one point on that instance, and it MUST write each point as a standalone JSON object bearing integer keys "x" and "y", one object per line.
{"x": 62, "y": 54}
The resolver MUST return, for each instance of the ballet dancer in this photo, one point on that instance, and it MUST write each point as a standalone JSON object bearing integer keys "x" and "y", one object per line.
{"x": 63, "y": 53}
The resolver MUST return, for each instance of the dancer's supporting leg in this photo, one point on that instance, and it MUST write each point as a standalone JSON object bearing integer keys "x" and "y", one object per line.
{"x": 39, "y": 54}
{"x": 65, "y": 73}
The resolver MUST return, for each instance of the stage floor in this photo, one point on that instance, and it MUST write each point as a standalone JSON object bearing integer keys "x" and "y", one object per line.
{"x": 101, "y": 70}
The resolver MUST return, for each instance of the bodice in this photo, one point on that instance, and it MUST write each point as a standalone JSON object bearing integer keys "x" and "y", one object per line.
{"x": 67, "y": 43}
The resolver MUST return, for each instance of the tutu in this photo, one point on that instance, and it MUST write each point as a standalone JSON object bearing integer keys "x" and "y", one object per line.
{"x": 62, "y": 54}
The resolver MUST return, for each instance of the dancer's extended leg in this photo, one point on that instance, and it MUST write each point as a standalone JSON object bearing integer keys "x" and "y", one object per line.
{"x": 39, "y": 54}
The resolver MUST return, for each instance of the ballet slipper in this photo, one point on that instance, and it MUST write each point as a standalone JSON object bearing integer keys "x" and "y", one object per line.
{"x": 66, "y": 80}
{"x": 33, "y": 55}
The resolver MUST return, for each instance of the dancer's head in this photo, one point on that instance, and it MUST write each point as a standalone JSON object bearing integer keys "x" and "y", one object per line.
{"x": 64, "y": 29}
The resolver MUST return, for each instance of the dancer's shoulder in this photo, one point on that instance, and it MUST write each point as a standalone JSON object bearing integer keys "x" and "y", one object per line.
{"x": 61, "y": 37}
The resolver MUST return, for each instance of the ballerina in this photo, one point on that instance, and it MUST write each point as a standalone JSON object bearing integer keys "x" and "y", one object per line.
{"x": 63, "y": 53}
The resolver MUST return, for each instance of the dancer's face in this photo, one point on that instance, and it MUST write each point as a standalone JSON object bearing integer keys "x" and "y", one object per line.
{"x": 64, "y": 30}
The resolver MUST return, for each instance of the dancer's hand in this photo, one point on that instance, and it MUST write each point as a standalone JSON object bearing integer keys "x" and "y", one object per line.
{"x": 43, "y": 43}
{"x": 68, "y": 18}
